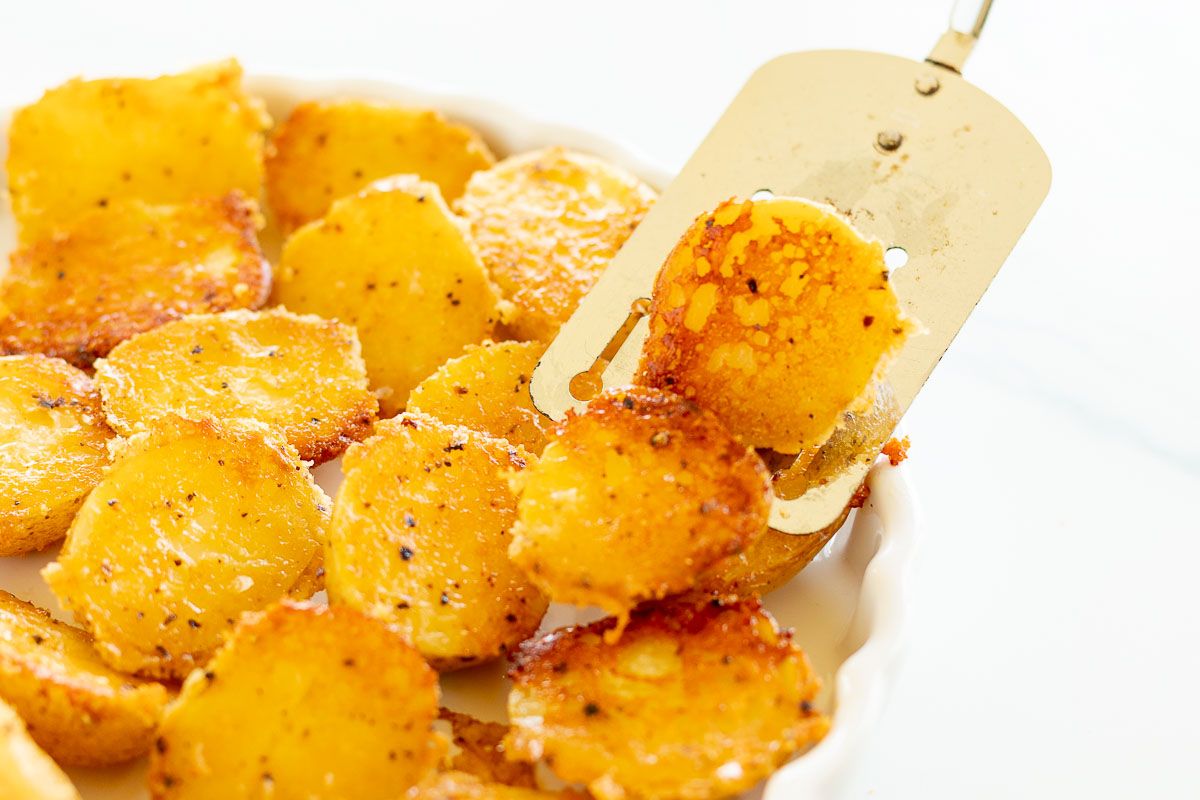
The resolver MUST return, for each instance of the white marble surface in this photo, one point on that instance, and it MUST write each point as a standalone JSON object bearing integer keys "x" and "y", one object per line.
{"x": 1056, "y": 638}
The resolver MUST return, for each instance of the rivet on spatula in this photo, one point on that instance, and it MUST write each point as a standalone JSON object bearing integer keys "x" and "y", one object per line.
{"x": 889, "y": 140}
{"x": 927, "y": 84}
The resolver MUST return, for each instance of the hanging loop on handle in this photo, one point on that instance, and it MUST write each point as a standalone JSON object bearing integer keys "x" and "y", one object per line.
{"x": 952, "y": 49}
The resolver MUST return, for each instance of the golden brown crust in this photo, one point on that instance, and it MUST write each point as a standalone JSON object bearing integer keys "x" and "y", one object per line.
{"x": 634, "y": 499}
{"x": 420, "y": 536}
{"x": 302, "y": 374}
{"x": 329, "y": 705}
{"x": 52, "y": 449}
{"x": 547, "y": 223}
{"x": 713, "y": 690}
{"x": 456, "y": 785}
{"x": 127, "y": 268}
{"x": 27, "y": 773}
{"x": 193, "y": 524}
{"x": 776, "y": 314}
{"x": 478, "y": 749}
{"x": 326, "y": 150}
{"x": 78, "y": 710}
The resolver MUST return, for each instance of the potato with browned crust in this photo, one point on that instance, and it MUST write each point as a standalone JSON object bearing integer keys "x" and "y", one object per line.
{"x": 27, "y": 773}
{"x": 194, "y": 523}
{"x": 634, "y": 499}
{"x": 477, "y": 748}
{"x": 53, "y": 448}
{"x": 396, "y": 264}
{"x": 78, "y": 709}
{"x": 303, "y": 701}
{"x": 127, "y": 268}
{"x": 776, "y": 314}
{"x": 547, "y": 223}
{"x": 89, "y": 144}
{"x": 420, "y": 535}
{"x": 325, "y": 150}
{"x": 695, "y": 701}
{"x": 301, "y": 374}
{"x": 465, "y": 786}
{"x": 487, "y": 389}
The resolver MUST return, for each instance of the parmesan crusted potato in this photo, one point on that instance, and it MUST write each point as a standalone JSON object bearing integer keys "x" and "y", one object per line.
{"x": 478, "y": 749}
{"x": 778, "y": 315}
{"x": 487, "y": 389}
{"x": 127, "y": 268}
{"x": 695, "y": 701}
{"x": 78, "y": 709}
{"x": 193, "y": 524}
{"x": 88, "y": 144}
{"x": 26, "y": 773}
{"x": 304, "y": 701}
{"x": 395, "y": 263}
{"x": 420, "y": 536}
{"x": 329, "y": 149}
{"x": 634, "y": 499}
{"x": 302, "y": 374}
{"x": 547, "y": 223}
{"x": 464, "y": 786}
{"x": 52, "y": 449}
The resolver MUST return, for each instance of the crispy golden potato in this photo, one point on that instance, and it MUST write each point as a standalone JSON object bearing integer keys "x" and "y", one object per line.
{"x": 775, "y": 313}
{"x": 420, "y": 537}
{"x": 465, "y": 786}
{"x": 395, "y": 263}
{"x": 52, "y": 449}
{"x": 695, "y": 701}
{"x": 27, "y": 773}
{"x": 478, "y": 749}
{"x": 487, "y": 389}
{"x": 325, "y": 150}
{"x": 193, "y": 524}
{"x": 87, "y": 144}
{"x": 127, "y": 268}
{"x": 547, "y": 223}
{"x": 634, "y": 499}
{"x": 304, "y": 701}
{"x": 78, "y": 709}
{"x": 302, "y": 374}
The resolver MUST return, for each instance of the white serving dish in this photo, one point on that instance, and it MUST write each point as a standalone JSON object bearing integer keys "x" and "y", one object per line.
{"x": 847, "y": 608}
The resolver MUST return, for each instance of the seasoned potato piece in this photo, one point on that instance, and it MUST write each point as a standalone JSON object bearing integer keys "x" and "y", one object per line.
{"x": 478, "y": 749}
{"x": 87, "y": 144}
{"x": 78, "y": 709}
{"x": 547, "y": 223}
{"x": 634, "y": 499}
{"x": 26, "y": 773}
{"x": 420, "y": 536}
{"x": 487, "y": 389}
{"x": 395, "y": 263}
{"x": 304, "y": 701}
{"x": 194, "y": 523}
{"x": 695, "y": 701}
{"x": 777, "y": 314}
{"x": 329, "y": 149}
{"x": 127, "y": 268}
{"x": 465, "y": 786}
{"x": 52, "y": 449}
{"x": 302, "y": 374}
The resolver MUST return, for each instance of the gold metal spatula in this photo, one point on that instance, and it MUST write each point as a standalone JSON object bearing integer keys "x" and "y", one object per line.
{"x": 908, "y": 151}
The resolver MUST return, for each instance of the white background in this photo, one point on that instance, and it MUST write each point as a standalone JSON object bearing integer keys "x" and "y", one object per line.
{"x": 1055, "y": 647}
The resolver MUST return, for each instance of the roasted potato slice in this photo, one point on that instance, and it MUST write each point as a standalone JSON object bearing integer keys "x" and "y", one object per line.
{"x": 465, "y": 786}
{"x": 695, "y": 701}
{"x": 487, "y": 389}
{"x": 420, "y": 536}
{"x": 547, "y": 223}
{"x": 52, "y": 449}
{"x": 478, "y": 749}
{"x": 78, "y": 709}
{"x": 193, "y": 524}
{"x": 634, "y": 499}
{"x": 395, "y": 263}
{"x": 302, "y": 374}
{"x": 27, "y": 773}
{"x": 778, "y": 315}
{"x": 304, "y": 701}
{"x": 127, "y": 268}
{"x": 325, "y": 150}
{"x": 88, "y": 144}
